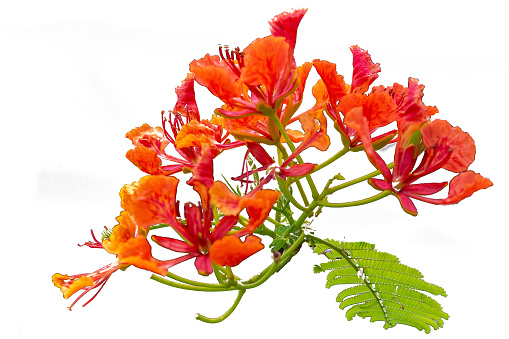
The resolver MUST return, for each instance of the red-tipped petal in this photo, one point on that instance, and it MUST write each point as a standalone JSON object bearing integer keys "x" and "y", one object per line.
{"x": 146, "y": 160}
{"x": 462, "y": 186}
{"x": 259, "y": 153}
{"x": 364, "y": 71}
{"x": 186, "y": 102}
{"x": 424, "y": 189}
{"x": 174, "y": 244}
{"x": 381, "y": 185}
{"x": 224, "y": 226}
{"x": 286, "y": 25}
{"x": 209, "y": 72}
{"x": 296, "y": 170}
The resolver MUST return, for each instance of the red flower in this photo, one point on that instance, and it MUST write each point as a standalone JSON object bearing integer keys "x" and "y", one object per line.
{"x": 380, "y": 107}
{"x": 153, "y": 202}
{"x": 444, "y": 146}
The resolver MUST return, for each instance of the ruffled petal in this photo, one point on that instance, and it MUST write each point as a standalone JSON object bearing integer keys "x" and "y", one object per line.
{"x": 440, "y": 134}
{"x": 335, "y": 84}
{"x": 154, "y": 202}
{"x": 286, "y": 25}
{"x": 364, "y": 71}
{"x": 147, "y": 161}
{"x": 264, "y": 60}
{"x": 231, "y": 251}
{"x": 186, "y": 101}
{"x": 211, "y": 73}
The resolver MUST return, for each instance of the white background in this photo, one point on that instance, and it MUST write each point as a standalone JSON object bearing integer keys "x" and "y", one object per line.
{"x": 75, "y": 78}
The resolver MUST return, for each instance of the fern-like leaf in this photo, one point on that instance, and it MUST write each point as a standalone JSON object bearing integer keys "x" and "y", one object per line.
{"x": 383, "y": 288}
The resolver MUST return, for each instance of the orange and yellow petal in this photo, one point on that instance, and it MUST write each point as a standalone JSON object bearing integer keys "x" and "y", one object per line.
{"x": 70, "y": 285}
{"x": 264, "y": 60}
{"x": 146, "y": 160}
{"x": 209, "y": 72}
{"x": 154, "y": 201}
{"x": 335, "y": 83}
{"x": 195, "y": 134}
{"x": 231, "y": 251}
{"x": 144, "y": 130}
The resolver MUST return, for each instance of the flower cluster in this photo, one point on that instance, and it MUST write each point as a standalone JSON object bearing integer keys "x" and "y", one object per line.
{"x": 261, "y": 88}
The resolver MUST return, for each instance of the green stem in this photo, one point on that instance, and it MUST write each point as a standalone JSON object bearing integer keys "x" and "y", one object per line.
{"x": 356, "y": 203}
{"x": 192, "y": 282}
{"x": 332, "y": 159}
{"x": 356, "y": 181}
{"x": 221, "y": 279}
{"x": 288, "y": 195}
{"x": 226, "y": 314}
{"x": 302, "y": 193}
{"x": 290, "y": 144}
{"x": 269, "y": 219}
{"x": 189, "y": 287}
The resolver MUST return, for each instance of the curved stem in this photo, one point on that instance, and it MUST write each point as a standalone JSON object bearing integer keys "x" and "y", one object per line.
{"x": 192, "y": 282}
{"x": 288, "y": 195}
{"x": 356, "y": 181}
{"x": 282, "y": 130}
{"x": 189, "y": 287}
{"x": 226, "y": 314}
{"x": 356, "y": 203}
{"x": 274, "y": 267}
{"x": 332, "y": 159}
{"x": 302, "y": 193}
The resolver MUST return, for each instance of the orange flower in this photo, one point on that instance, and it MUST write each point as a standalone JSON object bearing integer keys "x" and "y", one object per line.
{"x": 129, "y": 243}
{"x": 188, "y": 138}
{"x": 257, "y": 82}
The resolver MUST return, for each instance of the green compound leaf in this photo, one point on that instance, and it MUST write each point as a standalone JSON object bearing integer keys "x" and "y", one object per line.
{"x": 383, "y": 288}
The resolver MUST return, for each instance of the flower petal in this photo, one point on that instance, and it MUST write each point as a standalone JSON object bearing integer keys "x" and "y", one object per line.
{"x": 154, "y": 202}
{"x": 335, "y": 84}
{"x": 231, "y": 251}
{"x": 440, "y": 134}
{"x": 186, "y": 101}
{"x": 286, "y": 25}
{"x": 364, "y": 71}
{"x": 214, "y": 75}
{"x": 462, "y": 186}
{"x": 147, "y": 160}
{"x": 203, "y": 265}
{"x": 355, "y": 119}
{"x": 264, "y": 60}
{"x": 424, "y": 189}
